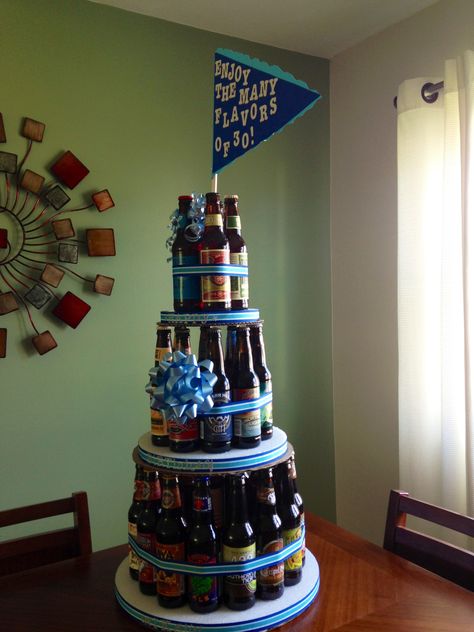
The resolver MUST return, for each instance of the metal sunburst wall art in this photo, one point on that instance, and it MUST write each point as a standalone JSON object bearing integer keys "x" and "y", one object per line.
{"x": 38, "y": 242}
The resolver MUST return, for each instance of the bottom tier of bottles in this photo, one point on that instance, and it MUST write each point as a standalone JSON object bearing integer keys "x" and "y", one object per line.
{"x": 256, "y": 513}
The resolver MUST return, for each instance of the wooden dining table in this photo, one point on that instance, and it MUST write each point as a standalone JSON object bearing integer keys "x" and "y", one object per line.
{"x": 363, "y": 588}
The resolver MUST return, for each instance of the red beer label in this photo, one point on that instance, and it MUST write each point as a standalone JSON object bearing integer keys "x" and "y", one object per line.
{"x": 169, "y": 584}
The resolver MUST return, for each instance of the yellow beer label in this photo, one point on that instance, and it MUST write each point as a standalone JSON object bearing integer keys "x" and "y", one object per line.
{"x": 213, "y": 220}
{"x": 159, "y": 427}
{"x": 160, "y": 353}
{"x": 295, "y": 561}
{"x": 133, "y": 560}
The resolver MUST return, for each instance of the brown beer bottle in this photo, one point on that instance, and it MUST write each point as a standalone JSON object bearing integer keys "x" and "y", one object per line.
{"x": 146, "y": 531}
{"x": 133, "y": 514}
{"x": 182, "y": 339}
{"x": 230, "y": 346}
{"x": 159, "y": 427}
{"x": 298, "y": 501}
{"x": 186, "y": 289}
{"x": 214, "y": 250}
{"x": 264, "y": 375}
{"x": 270, "y": 580}
{"x": 238, "y": 546}
{"x": 203, "y": 340}
{"x": 170, "y": 544}
{"x": 216, "y": 430}
{"x": 291, "y": 522}
{"x": 239, "y": 286}
{"x": 245, "y": 386}
{"x": 203, "y": 590}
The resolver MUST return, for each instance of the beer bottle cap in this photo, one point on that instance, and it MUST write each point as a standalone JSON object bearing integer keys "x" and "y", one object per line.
{"x": 232, "y": 197}
{"x": 185, "y": 198}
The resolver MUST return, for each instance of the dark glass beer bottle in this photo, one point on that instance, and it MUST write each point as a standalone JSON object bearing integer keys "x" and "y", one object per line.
{"x": 270, "y": 580}
{"x": 239, "y": 286}
{"x": 186, "y": 289}
{"x": 159, "y": 426}
{"x": 298, "y": 502}
{"x": 238, "y": 546}
{"x": 230, "y": 347}
{"x": 216, "y": 429}
{"x": 203, "y": 341}
{"x": 245, "y": 386}
{"x": 182, "y": 340}
{"x": 146, "y": 531}
{"x": 214, "y": 250}
{"x": 133, "y": 514}
{"x": 170, "y": 544}
{"x": 203, "y": 590}
{"x": 291, "y": 522}
{"x": 264, "y": 375}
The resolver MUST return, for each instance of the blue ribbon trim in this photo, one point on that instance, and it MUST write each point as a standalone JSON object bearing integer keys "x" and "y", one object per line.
{"x": 262, "y": 561}
{"x": 202, "y": 270}
{"x": 201, "y": 318}
{"x": 244, "y": 405}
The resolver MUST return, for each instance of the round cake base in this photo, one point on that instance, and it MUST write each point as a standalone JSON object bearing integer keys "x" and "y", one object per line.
{"x": 235, "y": 460}
{"x": 264, "y": 615}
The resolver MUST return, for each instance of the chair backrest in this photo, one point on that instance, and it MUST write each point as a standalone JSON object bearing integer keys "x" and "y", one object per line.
{"x": 52, "y": 546}
{"x": 442, "y": 558}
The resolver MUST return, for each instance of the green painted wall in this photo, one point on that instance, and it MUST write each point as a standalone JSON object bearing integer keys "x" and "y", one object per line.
{"x": 132, "y": 97}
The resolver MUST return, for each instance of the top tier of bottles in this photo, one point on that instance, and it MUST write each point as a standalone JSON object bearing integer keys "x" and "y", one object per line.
{"x": 220, "y": 243}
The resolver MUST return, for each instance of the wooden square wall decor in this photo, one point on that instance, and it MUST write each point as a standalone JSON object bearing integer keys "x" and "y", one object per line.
{"x": 34, "y": 130}
{"x": 32, "y": 181}
{"x": 63, "y": 229}
{"x": 103, "y": 200}
{"x": 8, "y": 303}
{"x": 69, "y": 169}
{"x": 100, "y": 242}
{"x": 52, "y": 275}
{"x": 44, "y": 342}
{"x": 39, "y": 244}
{"x": 71, "y": 309}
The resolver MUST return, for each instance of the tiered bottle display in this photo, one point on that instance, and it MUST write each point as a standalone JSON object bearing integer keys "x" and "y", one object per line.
{"x": 224, "y": 517}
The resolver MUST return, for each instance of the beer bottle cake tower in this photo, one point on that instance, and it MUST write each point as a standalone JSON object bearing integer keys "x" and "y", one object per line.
{"x": 216, "y": 527}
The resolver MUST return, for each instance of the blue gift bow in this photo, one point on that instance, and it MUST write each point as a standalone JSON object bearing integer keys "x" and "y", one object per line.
{"x": 180, "y": 387}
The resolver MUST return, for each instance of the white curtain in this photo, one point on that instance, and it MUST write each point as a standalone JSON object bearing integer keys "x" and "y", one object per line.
{"x": 436, "y": 288}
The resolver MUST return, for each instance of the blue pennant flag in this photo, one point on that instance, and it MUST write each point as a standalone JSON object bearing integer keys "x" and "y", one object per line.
{"x": 252, "y": 101}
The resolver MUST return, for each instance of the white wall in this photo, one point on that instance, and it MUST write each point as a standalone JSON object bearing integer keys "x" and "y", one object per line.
{"x": 364, "y": 80}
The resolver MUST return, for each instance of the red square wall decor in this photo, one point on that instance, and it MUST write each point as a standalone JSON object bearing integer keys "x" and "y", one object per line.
{"x": 69, "y": 169}
{"x": 3, "y": 343}
{"x": 8, "y": 303}
{"x": 3, "y": 238}
{"x": 100, "y": 242}
{"x": 71, "y": 309}
{"x": 103, "y": 200}
{"x": 3, "y": 136}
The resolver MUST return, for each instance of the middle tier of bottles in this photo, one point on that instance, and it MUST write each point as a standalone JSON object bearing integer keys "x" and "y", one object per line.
{"x": 215, "y": 519}
{"x": 242, "y": 376}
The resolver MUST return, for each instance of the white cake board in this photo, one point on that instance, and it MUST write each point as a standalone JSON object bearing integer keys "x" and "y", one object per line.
{"x": 264, "y": 615}
{"x": 267, "y": 452}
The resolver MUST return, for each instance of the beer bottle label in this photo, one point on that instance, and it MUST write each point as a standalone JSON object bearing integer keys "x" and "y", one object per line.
{"x": 244, "y": 584}
{"x": 233, "y": 221}
{"x": 159, "y": 426}
{"x": 180, "y": 430}
{"x": 217, "y": 495}
{"x": 272, "y": 575}
{"x": 203, "y": 589}
{"x": 146, "y": 572}
{"x": 155, "y": 490}
{"x": 215, "y": 289}
{"x": 185, "y": 287}
{"x": 160, "y": 353}
{"x": 170, "y": 584}
{"x": 215, "y": 219}
{"x": 133, "y": 559}
{"x": 171, "y": 498}
{"x": 295, "y": 561}
{"x": 266, "y": 412}
{"x": 247, "y": 424}
{"x": 216, "y": 428}
{"x": 239, "y": 286}
{"x": 202, "y": 503}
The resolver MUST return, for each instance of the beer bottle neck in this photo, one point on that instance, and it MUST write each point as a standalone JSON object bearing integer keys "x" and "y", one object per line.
{"x": 213, "y": 218}
{"x": 232, "y": 216}
{"x": 202, "y": 503}
{"x": 243, "y": 359}
{"x": 170, "y": 498}
{"x": 215, "y": 352}
{"x": 258, "y": 347}
{"x": 238, "y": 501}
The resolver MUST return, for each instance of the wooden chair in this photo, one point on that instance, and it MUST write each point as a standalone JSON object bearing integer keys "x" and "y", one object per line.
{"x": 53, "y": 546}
{"x": 446, "y": 560}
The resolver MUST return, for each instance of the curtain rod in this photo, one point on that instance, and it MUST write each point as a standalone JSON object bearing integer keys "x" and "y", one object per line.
{"x": 429, "y": 92}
